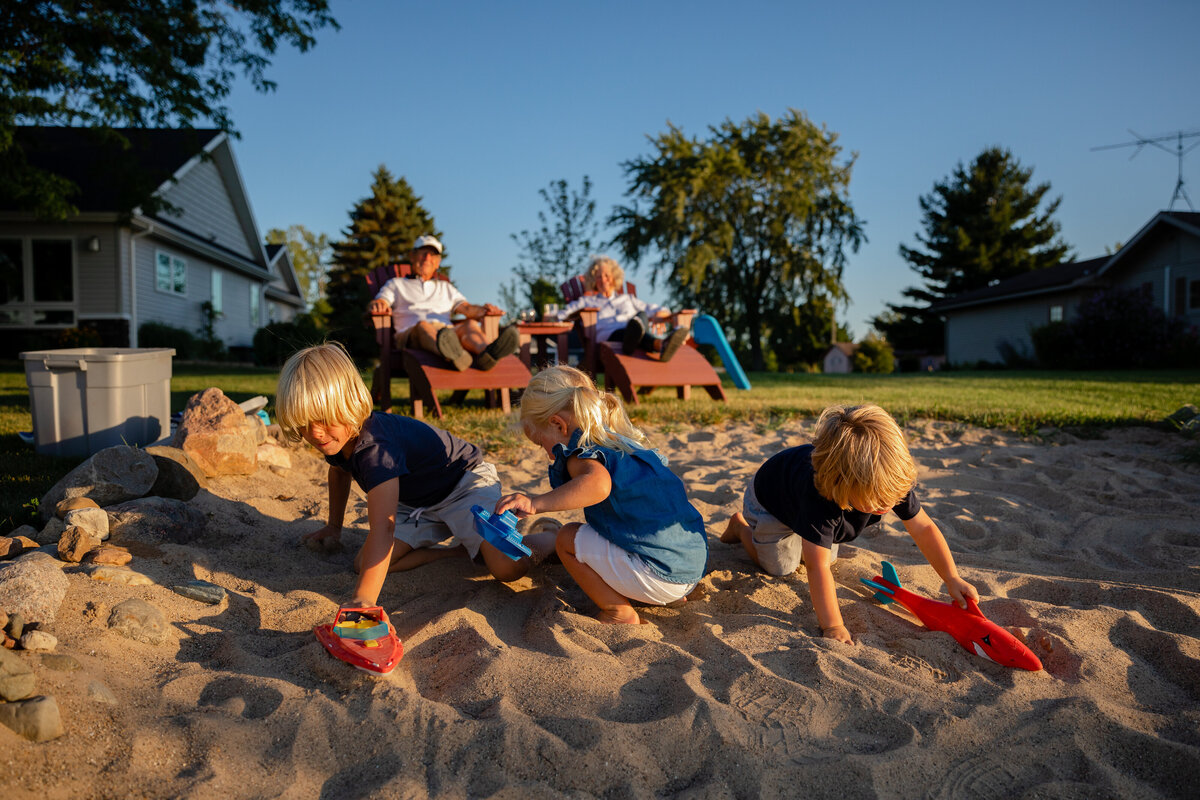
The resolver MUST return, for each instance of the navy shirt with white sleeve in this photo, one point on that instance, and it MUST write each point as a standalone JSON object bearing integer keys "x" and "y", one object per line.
{"x": 428, "y": 461}
{"x": 785, "y": 488}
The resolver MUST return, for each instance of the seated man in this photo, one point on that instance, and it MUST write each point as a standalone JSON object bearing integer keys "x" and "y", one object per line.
{"x": 623, "y": 317}
{"x": 422, "y": 305}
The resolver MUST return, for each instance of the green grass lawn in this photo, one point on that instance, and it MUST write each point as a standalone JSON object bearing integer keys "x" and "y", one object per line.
{"x": 1021, "y": 401}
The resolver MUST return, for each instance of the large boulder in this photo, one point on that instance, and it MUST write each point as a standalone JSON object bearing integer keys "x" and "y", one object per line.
{"x": 155, "y": 519}
{"x": 33, "y": 585}
{"x": 217, "y": 435}
{"x": 179, "y": 477}
{"x": 113, "y": 475}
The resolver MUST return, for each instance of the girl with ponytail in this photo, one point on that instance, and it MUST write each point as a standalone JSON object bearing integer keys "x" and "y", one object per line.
{"x": 642, "y": 540}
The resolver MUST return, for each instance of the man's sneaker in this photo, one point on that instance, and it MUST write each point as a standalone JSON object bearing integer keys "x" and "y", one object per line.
{"x": 451, "y": 349}
{"x": 672, "y": 344}
{"x": 507, "y": 343}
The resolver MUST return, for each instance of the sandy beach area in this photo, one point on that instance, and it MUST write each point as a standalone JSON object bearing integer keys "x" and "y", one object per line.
{"x": 1088, "y": 549}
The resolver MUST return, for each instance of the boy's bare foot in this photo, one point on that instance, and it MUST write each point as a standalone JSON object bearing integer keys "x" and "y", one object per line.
{"x": 734, "y": 530}
{"x": 619, "y": 616}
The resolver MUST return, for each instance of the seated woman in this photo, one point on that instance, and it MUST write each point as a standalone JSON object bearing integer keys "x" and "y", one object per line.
{"x": 623, "y": 316}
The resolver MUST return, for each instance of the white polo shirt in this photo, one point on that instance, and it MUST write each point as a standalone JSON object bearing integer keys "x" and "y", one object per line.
{"x": 413, "y": 300}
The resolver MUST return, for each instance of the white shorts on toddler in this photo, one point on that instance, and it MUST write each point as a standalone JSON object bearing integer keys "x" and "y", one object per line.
{"x": 625, "y": 572}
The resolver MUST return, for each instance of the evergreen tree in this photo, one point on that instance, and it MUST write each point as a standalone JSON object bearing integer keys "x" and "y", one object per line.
{"x": 382, "y": 228}
{"x": 981, "y": 225}
{"x": 753, "y": 224}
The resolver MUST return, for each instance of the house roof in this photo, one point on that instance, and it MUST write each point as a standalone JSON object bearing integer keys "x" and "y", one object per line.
{"x": 846, "y": 348}
{"x": 1070, "y": 275}
{"x": 111, "y": 177}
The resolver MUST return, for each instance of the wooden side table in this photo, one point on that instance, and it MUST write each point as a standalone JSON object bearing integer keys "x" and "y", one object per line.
{"x": 542, "y": 333}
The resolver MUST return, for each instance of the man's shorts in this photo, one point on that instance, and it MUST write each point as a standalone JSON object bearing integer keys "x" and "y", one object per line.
{"x": 451, "y": 519}
{"x": 625, "y": 572}
{"x": 400, "y": 338}
{"x": 780, "y": 549}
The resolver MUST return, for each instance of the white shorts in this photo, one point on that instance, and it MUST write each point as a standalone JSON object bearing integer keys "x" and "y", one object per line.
{"x": 451, "y": 519}
{"x": 624, "y": 571}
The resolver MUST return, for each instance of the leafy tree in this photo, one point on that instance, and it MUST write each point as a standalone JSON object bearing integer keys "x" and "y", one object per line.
{"x": 382, "y": 229}
{"x": 874, "y": 354}
{"x": 310, "y": 257}
{"x": 752, "y": 223}
{"x": 983, "y": 224}
{"x": 559, "y": 249}
{"x": 130, "y": 63}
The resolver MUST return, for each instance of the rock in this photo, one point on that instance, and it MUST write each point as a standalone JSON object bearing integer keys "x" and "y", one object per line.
{"x": 152, "y": 520}
{"x": 27, "y": 543}
{"x": 122, "y": 575}
{"x": 92, "y": 520}
{"x": 138, "y": 620}
{"x": 109, "y": 554}
{"x": 100, "y": 693}
{"x": 179, "y": 477}
{"x": 3, "y": 619}
{"x": 16, "y": 678}
{"x": 52, "y": 532}
{"x": 217, "y": 435}
{"x": 60, "y": 662}
{"x": 27, "y": 531}
{"x": 10, "y": 547}
{"x": 15, "y": 627}
{"x": 258, "y": 428}
{"x": 36, "y": 719}
{"x": 38, "y": 642}
{"x": 203, "y": 591}
{"x": 33, "y": 585}
{"x": 75, "y": 543}
{"x": 273, "y": 455}
{"x": 7, "y": 642}
{"x": 113, "y": 475}
{"x": 72, "y": 504}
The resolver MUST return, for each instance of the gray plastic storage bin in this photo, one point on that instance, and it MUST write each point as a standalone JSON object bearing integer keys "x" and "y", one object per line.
{"x": 88, "y": 398}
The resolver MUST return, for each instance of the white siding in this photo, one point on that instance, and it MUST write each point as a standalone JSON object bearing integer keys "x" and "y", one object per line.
{"x": 208, "y": 211}
{"x": 977, "y": 334}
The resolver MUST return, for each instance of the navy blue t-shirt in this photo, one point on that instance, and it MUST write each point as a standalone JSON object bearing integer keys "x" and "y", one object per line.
{"x": 784, "y": 486}
{"x": 429, "y": 462}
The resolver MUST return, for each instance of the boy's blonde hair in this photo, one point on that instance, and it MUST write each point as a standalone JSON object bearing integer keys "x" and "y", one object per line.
{"x": 321, "y": 384}
{"x": 599, "y": 415}
{"x": 614, "y": 269}
{"x": 859, "y": 456}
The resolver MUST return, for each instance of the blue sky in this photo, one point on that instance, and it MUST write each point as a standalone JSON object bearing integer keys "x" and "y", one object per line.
{"x": 481, "y": 104}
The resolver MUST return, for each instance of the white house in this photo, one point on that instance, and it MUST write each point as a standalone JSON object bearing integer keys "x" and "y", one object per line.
{"x": 123, "y": 261}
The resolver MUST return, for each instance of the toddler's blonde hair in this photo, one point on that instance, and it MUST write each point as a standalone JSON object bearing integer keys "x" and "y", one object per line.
{"x": 859, "y": 456}
{"x": 599, "y": 415}
{"x": 321, "y": 384}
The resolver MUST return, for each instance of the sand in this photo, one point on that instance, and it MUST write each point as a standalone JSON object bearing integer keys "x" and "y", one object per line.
{"x": 1086, "y": 548}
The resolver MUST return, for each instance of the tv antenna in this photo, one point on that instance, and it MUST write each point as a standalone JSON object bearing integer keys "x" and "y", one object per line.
{"x": 1179, "y": 151}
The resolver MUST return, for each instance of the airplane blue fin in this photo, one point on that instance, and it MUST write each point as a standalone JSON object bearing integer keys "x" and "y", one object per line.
{"x": 884, "y": 593}
{"x": 889, "y": 574}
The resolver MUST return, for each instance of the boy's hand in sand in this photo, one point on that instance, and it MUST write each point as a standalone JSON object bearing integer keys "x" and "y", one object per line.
{"x": 837, "y": 632}
{"x": 519, "y": 503}
{"x": 959, "y": 590}
{"x": 327, "y": 539}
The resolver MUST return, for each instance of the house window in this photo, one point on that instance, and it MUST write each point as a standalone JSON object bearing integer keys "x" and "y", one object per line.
{"x": 37, "y": 282}
{"x": 272, "y": 312}
{"x": 1056, "y": 313}
{"x": 1194, "y": 295}
{"x": 216, "y": 291}
{"x": 170, "y": 273}
{"x": 255, "y": 318}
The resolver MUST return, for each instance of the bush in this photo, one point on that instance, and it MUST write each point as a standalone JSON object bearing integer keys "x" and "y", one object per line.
{"x": 160, "y": 334}
{"x": 275, "y": 342}
{"x": 1054, "y": 345}
{"x": 78, "y": 337}
{"x": 874, "y": 354}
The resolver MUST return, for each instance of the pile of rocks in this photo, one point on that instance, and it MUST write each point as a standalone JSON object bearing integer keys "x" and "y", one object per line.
{"x": 119, "y": 495}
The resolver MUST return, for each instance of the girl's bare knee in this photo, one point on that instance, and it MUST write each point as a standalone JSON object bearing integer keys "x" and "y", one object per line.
{"x": 564, "y": 540}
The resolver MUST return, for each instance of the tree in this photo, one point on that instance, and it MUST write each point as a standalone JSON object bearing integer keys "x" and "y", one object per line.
{"x": 382, "y": 229}
{"x": 752, "y": 223}
{"x": 558, "y": 250}
{"x": 310, "y": 257}
{"x": 873, "y": 354}
{"x": 981, "y": 225}
{"x": 124, "y": 63}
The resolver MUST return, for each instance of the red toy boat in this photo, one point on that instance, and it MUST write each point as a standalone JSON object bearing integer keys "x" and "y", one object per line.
{"x": 363, "y": 638}
{"x": 970, "y": 628}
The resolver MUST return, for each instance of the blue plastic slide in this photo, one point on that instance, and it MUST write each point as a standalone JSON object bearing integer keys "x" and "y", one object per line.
{"x": 706, "y": 330}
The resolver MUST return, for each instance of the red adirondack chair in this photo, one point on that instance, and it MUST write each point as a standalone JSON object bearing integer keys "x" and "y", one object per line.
{"x": 641, "y": 372}
{"x": 428, "y": 373}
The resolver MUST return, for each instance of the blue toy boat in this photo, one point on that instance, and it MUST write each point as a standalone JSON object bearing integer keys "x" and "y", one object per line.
{"x": 501, "y": 531}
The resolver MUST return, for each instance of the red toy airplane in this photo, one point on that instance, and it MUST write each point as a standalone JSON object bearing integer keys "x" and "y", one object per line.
{"x": 970, "y": 628}
{"x": 363, "y": 638}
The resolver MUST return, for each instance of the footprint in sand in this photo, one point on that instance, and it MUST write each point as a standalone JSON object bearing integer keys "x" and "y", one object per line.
{"x": 241, "y": 697}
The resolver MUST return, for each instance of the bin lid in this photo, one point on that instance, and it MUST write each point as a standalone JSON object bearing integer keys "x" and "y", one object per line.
{"x": 98, "y": 354}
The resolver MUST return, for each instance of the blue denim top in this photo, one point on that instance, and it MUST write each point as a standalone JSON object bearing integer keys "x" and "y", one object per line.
{"x": 647, "y": 513}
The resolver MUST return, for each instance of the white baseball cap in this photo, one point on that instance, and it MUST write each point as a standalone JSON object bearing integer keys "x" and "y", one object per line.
{"x": 427, "y": 241}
